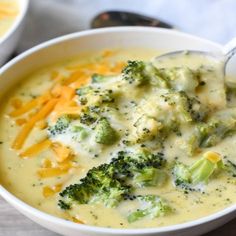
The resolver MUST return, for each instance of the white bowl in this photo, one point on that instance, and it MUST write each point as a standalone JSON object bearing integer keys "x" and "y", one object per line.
{"x": 9, "y": 40}
{"x": 74, "y": 44}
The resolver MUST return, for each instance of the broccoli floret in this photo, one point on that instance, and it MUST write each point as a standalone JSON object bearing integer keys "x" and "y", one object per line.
{"x": 95, "y": 96}
{"x": 216, "y": 130}
{"x": 99, "y": 185}
{"x": 89, "y": 115}
{"x": 180, "y": 78}
{"x": 63, "y": 205}
{"x": 83, "y": 92}
{"x": 182, "y": 175}
{"x": 87, "y": 118}
{"x": 151, "y": 206}
{"x": 111, "y": 183}
{"x": 135, "y": 73}
{"x": 60, "y": 126}
{"x": 105, "y": 134}
{"x": 188, "y": 177}
{"x": 187, "y": 108}
{"x": 210, "y": 133}
{"x": 140, "y": 73}
{"x": 111, "y": 196}
{"x": 129, "y": 165}
{"x": 146, "y": 128}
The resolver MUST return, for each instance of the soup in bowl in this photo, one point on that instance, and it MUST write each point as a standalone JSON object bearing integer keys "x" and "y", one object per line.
{"x": 100, "y": 134}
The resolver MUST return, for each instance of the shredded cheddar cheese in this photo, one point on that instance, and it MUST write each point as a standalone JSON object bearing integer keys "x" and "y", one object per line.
{"x": 36, "y": 149}
{"x": 62, "y": 152}
{"x": 59, "y": 100}
{"x": 214, "y": 157}
{"x": 42, "y": 114}
{"x": 50, "y": 191}
{"x": 31, "y": 105}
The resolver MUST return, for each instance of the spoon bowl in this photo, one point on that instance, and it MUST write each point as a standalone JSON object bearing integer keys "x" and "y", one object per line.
{"x": 222, "y": 59}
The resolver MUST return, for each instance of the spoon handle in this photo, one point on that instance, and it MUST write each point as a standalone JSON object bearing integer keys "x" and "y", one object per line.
{"x": 123, "y": 18}
{"x": 229, "y": 50}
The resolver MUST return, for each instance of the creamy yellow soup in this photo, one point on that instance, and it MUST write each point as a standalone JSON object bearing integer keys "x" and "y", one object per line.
{"x": 9, "y": 10}
{"x": 176, "y": 117}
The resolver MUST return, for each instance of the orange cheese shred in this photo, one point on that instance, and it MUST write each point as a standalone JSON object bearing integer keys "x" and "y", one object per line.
{"x": 50, "y": 191}
{"x": 47, "y": 163}
{"x": 67, "y": 93}
{"x": 42, "y": 124}
{"x": 53, "y": 171}
{"x": 36, "y": 148}
{"x": 21, "y": 121}
{"x": 16, "y": 103}
{"x": 56, "y": 90}
{"x": 31, "y": 105}
{"x": 80, "y": 82}
{"x": 50, "y": 172}
{"x": 63, "y": 106}
{"x": 26, "y": 129}
{"x": 62, "y": 152}
{"x": 47, "y": 192}
{"x": 74, "y": 76}
{"x": 66, "y": 165}
{"x": 103, "y": 69}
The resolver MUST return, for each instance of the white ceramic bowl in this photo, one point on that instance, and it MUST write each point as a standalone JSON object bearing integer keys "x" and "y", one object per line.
{"x": 74, "y": 44}
{"x": 10, "y": 39}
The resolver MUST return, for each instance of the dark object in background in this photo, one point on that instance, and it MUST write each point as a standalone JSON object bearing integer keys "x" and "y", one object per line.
{"x": 121, "y": 18}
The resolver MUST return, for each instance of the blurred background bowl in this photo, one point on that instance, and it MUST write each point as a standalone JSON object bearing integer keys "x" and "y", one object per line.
{"x": 10, "y": 39}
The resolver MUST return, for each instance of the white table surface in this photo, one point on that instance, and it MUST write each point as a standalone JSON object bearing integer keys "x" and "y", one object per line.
{"x": 212, "y": 19}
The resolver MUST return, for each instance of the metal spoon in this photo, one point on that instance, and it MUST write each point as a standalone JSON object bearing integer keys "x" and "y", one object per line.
{"x": 228, "y": 52}
{"x": 122, "y": 18}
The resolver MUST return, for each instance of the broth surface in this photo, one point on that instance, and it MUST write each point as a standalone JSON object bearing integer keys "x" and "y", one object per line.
{"x": 20, "y": 175}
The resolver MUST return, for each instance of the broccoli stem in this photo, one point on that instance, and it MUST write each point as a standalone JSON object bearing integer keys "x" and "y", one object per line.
{"x": 188, "y": 177}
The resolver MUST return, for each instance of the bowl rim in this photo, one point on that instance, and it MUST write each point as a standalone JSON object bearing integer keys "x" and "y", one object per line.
{"x": 29, "y": 210}
{"x": 23, "y": 5}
